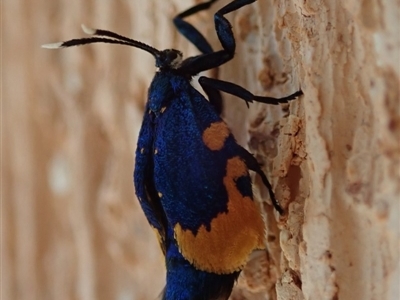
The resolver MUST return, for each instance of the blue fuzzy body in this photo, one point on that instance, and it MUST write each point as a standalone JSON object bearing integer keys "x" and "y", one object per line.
{"x": 178, "y": 179}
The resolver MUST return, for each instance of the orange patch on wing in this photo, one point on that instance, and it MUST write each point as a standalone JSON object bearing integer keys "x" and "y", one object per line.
{"x": 214, "y": 136}
{"x": 233, "y": 235}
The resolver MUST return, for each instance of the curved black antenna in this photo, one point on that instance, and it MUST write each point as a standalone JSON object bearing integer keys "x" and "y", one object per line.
{"x": 113, "y": 38}
{"x": 107, "y": 33}
{"x": 84, "y": 41}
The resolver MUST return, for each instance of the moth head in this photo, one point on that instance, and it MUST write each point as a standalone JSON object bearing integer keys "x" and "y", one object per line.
{"x": 169, "y": 58}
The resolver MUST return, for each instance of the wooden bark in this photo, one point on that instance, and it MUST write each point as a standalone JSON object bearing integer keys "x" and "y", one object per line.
{"x": 71, "y": 225}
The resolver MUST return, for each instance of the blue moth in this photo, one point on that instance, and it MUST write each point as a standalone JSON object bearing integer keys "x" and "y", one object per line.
{"x": 191, "y": 176}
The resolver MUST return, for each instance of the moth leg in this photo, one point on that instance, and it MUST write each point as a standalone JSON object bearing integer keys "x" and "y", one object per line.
{"x": 210, "y": 84}
{"x": 253, "y": 165}
{"x": 197, "y": 39}
{"x": 189, "y": 31}
{"x": 214, "y": 96}
{"x": 207, "y": 61}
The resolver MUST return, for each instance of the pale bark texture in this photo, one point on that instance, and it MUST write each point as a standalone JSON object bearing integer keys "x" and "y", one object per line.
{"x": 71, "y": 224}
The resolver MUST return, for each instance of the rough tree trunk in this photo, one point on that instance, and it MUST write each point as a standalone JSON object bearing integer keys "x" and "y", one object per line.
{"x": 71, "y": 225}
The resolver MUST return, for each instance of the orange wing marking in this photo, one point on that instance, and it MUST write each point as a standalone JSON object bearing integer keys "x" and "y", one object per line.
{"x": 233, "y": 235}
{"x": 214, "y": 137}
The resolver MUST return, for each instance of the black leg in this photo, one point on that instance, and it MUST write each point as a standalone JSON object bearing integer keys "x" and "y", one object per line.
{"x": 188, "y": 30}
{"x": 253, "y": 165}
{"x": 214, "y": 96}
{"x": 210, "y": 84}
{"x": 207, "y": 61}
{"x": 197, "y": 39}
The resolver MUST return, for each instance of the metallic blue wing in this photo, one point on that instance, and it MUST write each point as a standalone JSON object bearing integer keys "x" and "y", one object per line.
{"x": 144, "y": 179}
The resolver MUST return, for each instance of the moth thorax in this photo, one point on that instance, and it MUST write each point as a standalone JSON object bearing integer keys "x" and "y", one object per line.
{"x": 169, "y": 58}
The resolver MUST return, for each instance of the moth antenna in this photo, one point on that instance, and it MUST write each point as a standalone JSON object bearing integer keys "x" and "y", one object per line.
{"x": 88, "y": 30}
{"x": 116, "y": 36}
{"x": 53, "y": 45}
{"x": 110, "y": 38}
